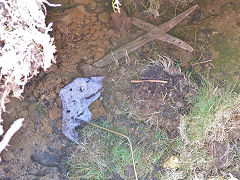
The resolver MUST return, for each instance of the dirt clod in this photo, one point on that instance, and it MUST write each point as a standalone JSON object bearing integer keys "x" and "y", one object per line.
{"x": 162, "y": 104}
{"x": 121, "y": 21}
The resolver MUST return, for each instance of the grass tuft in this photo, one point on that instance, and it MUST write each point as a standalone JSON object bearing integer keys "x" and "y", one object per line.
{"x": 103, "y": 155}
{"x": 209, "y": 121}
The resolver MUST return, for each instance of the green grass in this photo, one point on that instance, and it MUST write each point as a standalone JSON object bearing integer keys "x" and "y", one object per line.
{"x": 204, "y": 124}
{"x": 105, "y": 155}
{"x": 210, "y": 100}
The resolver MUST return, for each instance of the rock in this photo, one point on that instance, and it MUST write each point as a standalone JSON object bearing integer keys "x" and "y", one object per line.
{"x": 106, "y": 43}
{"x": 83, "y": 2}
{"x": 54, "y": 66}
{"x": 104, "y": 17}
{"x": 7, "y": 155}
{"x": 46, "y": 159}
{"x": 121, "y": 21}
{"x": 110, "y": 33}
{"x": 97, "y": 35}
{"x": 205, "y": 33}
{"x": 171, "y": 163}
{"x": 238, "y": 24}
{"x": 31, "y": 99}
{"x": 23, "y": 114}
{"x": 58, "y": 102}
{"x": 2, "y": 173}
{"x": 97, "y": 109}
{"x": 55, "y": 113}
{"x": 56, "y": 176}
{"x": 92, "y": 5}
{"x": 82, "y": 9}
{"x": 36, "y": 94}
{"x": 36, "y": 113}
{"x": 29, "y": 176}
{"x": 99, "y": 54}
{"x": 46, "y": 126}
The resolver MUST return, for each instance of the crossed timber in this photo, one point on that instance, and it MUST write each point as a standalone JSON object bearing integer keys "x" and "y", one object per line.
{"x": 154, "y": 32}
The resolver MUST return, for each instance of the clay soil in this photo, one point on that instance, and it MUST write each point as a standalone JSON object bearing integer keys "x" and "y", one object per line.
{"x": 84, "y": 33}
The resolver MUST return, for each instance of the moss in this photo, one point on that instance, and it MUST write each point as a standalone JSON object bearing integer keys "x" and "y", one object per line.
{"x": 227, "y": 55}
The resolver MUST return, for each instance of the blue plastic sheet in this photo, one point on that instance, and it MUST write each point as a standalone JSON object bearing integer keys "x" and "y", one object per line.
{"x": 76, "y": 97}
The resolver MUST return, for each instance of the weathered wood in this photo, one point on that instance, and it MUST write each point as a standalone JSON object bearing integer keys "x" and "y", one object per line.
{"x": 154, "y": 32}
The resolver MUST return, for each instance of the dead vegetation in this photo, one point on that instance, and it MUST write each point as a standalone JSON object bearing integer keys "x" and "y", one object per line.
{"x": 210, "y": 134}
{"x": 206, "y": 122}
{"x": 161, "y": 105}
{"x": 155, "y": 8}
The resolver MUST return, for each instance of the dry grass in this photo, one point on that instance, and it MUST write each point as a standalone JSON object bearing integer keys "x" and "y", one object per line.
{"x": 103, "y": 155}
{"x": 210, "y": 122}
{"x": 155, "y": 8}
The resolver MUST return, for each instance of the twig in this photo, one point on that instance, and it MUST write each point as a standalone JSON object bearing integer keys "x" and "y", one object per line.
{"x": 133, "y": 161}
{"x": 201, "y": 62}
{"x": 195, "y": 36}
{"x": 148, "y": 80}
{"x": 11, "y": 131}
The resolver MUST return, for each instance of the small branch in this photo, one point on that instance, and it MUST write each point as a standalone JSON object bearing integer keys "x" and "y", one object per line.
{"x": 105, "y": 129}
{"x": 201, "y": 62}
{"x": 150, "y": 80}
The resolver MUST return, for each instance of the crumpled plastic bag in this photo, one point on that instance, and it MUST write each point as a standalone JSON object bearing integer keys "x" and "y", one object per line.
{"x": 76, "y": 97}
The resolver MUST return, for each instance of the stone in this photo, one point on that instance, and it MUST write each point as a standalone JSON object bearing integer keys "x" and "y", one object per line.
{"x": 2, "y": 173}
{"x": 97, "y": 109}
{"x": 82, "y": 9}
{"x": 121, "y": 21}
{"x": 104, "y": 17}
{"x": 97, "y": 35}
{"x": 92, "y": 5}
{"x": 46, "y": 126}
{"x": 7, "y": 155}
{"x": 55, "y": 113}
{"x": 54, "y": 66}
{"x": 51, "y": 176}
{"x": 31, "y": 99}
{"x": 110, "y": 32}
{"x": 23, "y": 114}
{"x": 36, "y": 113}
{"x": 99, "y": 54}
{"x": 83, "y": 2}
{"x": 58, "y": 102}
{"x": 46, "y": 159}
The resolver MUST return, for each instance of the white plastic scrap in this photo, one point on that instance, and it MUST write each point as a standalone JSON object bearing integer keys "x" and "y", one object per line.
{"x": 76, "y": 97}
{"x": 10, "y": 132}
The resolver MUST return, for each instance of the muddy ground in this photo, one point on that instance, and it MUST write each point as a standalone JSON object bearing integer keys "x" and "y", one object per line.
{"x": 83, "y": 33}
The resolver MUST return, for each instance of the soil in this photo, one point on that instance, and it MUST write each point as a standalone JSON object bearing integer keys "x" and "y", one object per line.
{"x": 83, "y": 33}
{"x": 163, "y": 104}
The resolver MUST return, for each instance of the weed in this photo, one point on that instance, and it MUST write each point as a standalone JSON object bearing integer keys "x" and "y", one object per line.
{"x": 40, "y": 109}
